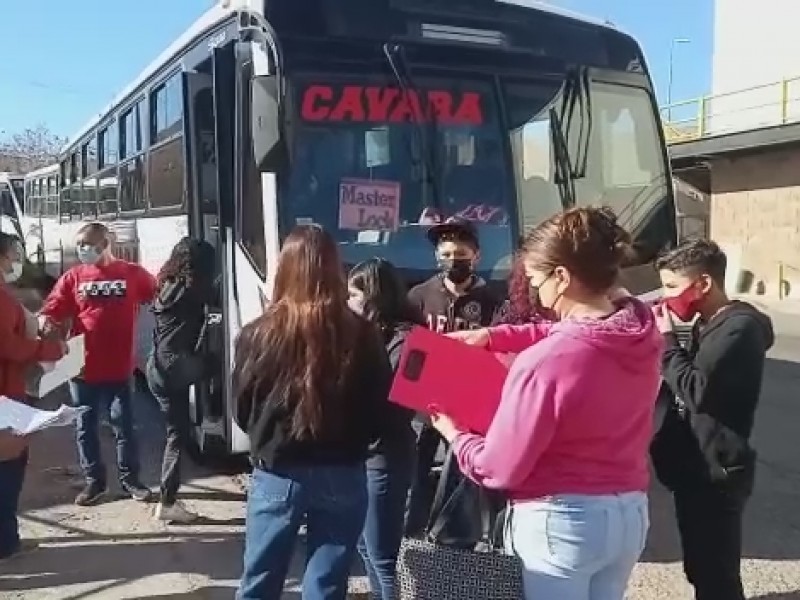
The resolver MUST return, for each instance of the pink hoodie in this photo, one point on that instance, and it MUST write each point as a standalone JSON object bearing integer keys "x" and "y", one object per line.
{"x": 576, "y": 414}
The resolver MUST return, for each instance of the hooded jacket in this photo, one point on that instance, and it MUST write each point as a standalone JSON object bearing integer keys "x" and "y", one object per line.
{"x": 394, "y": 437}
{"x": 576, "y": 412}
{"x": 711, "y": 391}
{"x": 180, "y": 312}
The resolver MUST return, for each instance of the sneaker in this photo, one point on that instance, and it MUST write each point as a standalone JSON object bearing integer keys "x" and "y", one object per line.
{"x": 137, "y": 491}
{"x": 91, "y": 494}
{"x": 176, "y": 513}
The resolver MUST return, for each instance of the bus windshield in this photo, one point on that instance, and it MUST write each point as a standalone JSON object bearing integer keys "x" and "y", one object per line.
{"x": 376, "y": 163}
{"x": 618, "y": 142}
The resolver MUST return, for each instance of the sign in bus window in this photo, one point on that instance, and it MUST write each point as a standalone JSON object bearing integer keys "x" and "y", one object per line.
{"x": 369, "y": 204}
{"x": 376, "y": 147}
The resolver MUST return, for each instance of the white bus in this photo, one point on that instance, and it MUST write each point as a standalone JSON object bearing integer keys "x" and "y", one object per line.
{"x": 367, "y": 117}
{"x": 11, "y": 198}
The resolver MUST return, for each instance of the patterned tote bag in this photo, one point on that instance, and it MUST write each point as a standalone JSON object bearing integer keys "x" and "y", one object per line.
{"x": 460, "y": 556}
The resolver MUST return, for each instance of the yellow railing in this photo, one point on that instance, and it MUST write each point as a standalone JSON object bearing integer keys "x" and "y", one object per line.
{"x": 752, "y": 108}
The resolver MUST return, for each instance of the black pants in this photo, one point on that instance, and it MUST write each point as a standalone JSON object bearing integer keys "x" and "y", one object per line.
{"x": 174, "y": 402}
{"x": 12, "y": 475}
{"x": 710, "y": 524}
{"x": 422, "y": 489}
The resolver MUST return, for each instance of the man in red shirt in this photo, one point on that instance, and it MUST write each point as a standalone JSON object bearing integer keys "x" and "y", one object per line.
{"x": 101, "y": 299}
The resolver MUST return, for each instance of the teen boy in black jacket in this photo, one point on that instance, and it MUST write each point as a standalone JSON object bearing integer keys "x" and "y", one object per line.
{"x": 456, "y": 298}
{"x": 702, "y": 452}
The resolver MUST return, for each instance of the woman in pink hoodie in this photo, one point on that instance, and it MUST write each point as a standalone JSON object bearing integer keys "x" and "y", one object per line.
{"x": 569, "y": 442}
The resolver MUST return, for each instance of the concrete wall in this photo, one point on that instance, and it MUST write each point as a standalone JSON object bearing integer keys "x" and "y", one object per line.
{"x": 755, "y": 216}
{"x": 755, "y": 43}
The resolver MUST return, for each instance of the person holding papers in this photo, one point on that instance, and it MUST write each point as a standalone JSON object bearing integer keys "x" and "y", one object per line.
{"x": 18, "y": 351}
{"x": 569, "y": 442}
{"x": 101, "y": 298}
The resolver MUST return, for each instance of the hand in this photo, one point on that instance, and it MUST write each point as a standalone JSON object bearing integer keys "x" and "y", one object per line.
{"x": 444, "y": 424}
{"x": 663, "y": 318}
{"x": 473, "y": 337}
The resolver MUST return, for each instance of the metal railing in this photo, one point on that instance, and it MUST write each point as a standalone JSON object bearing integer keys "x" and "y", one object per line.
{"x": 760, "y": 106}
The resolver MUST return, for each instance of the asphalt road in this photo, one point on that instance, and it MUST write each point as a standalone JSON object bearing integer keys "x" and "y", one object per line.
{"x": 117, "y": 550}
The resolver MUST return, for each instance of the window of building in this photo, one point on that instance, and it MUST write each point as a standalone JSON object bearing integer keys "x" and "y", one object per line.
{"x": 165, "y": 174}
{"x": 166, "y": 110}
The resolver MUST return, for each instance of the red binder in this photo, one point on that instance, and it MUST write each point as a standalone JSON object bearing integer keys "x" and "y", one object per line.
{"x": 464, "y": 381}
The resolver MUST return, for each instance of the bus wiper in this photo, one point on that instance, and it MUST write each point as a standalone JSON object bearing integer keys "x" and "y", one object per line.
{"x": 564, "y": 173}
{"x": 576, "y": 97}
{"x": 400, "y": 70}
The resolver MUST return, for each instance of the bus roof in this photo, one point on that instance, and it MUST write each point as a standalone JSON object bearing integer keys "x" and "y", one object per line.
{"x": 556, "y": 10}
{"x": 46, "y": 170}
{"x": 207, "y": 21}
{"x": 223, "y": 9}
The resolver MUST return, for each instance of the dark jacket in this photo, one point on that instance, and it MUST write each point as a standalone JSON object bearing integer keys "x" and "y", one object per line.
{"x": 395, "y": 438}
{"x": 266, "y": 417}
{"x": 180, "y": 312}
{"x": 445, "y": 312}
{"x": 711, "y": 389}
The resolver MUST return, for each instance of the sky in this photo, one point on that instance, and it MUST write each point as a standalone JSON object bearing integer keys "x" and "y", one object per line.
{"x": 63, "y": 68}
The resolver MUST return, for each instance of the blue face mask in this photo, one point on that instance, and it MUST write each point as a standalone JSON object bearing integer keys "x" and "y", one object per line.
{"x": 88, "y": 255}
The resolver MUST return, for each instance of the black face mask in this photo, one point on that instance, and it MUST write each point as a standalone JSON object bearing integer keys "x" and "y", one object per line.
{"x": 457, "y": 270}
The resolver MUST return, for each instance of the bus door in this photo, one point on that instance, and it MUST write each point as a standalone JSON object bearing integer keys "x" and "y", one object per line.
{"x": 207, "y": 409}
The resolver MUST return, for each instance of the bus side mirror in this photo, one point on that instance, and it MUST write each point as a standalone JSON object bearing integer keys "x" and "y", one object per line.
{"x": 265, "y": 127}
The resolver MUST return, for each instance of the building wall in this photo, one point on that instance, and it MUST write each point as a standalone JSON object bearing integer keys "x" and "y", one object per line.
{"x": 755, "y": 43}
{"x": 755, "y": 216}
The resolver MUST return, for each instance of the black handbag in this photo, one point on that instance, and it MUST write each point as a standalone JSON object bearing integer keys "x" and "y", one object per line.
{"x": 460, "y": 557}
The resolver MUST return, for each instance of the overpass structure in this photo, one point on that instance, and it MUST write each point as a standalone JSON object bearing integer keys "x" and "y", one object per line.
{"x": 740, "y": 152}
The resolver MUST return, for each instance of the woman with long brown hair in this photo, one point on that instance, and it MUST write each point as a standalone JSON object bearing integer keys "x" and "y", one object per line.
{"x": 309, "y": 378}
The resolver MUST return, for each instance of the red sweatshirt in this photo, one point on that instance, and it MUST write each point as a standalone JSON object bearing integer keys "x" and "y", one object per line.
{"x": 17, "y": 350}
{"x": 103, "y": 302}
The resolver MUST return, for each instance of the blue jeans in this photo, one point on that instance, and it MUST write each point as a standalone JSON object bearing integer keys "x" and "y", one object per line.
{"x": 383, "y": 530}
{"x": 12, "y": 474}
{"x": 118, "y": 397}
{"x": 576, "y": 547}
{"x": 332, "y": 500}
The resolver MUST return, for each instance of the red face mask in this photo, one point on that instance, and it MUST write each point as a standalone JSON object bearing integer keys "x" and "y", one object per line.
{"x": 684, "y": 305}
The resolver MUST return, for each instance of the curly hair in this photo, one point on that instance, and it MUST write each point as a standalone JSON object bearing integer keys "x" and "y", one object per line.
{"x": 518, "y": 308}
{"x": 191, "y": 260}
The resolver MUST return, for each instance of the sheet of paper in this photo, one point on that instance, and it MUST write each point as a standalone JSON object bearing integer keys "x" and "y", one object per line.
{"x": 25, "y": 420}
{"x": 65, "y": 369}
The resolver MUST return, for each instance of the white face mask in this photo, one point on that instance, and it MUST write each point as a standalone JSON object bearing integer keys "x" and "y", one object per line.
{"x": 14, "y": 274}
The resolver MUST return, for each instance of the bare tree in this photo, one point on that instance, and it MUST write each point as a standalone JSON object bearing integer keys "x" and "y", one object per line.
{"x": 30, "y": 149}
